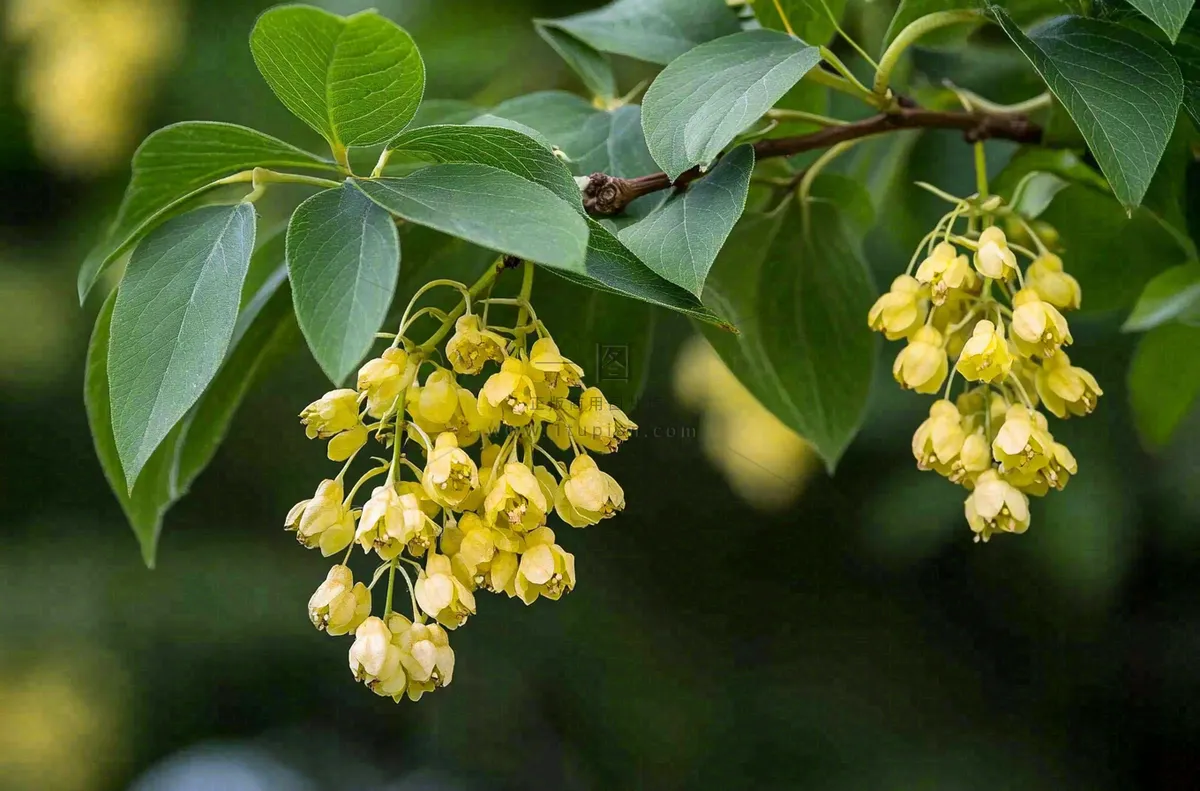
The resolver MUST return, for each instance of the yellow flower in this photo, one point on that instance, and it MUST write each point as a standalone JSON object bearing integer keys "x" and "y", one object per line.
{"x": 546, "y": 569}
{"x": 1066, "y": 389}
{"x": 560, "y": 374}
{"x": 1046, "y": 276}
{"x": 1038, "y": 328}
{"x": 425, "y": 654}
{"x": 481, "y": 556}
{"x": 450, "y": 474}
{"x": 1023, "y": 443}
{"x": 588, "y": 494}
{"x": 375, "y": 659}
{"x": 1054, "y": 475}
{"x": 565, "y": 425}
{"x": 339, "y": 605}
{"x": 323, "y": 521}
{"x": 974, "y": 458}
{"x": 922, "y": 364}
{"x": 602, "y": 426}
{"x": 384, "y": 379}
{"x": 938, "y": 440}
{"x": 469, "y": 349}
{"x": 335, "y": 415}
{"x": 465, "y": 423}
{"x": 391, "y": 521}
{"x": 900, "y": 312}
{"x": 993, "y": 258}
{"x": 441, "y": 595}
{"x": 438, "y": 400}
{"x": 996, "y": 506}
{"x": 515, "y": 500}
{"x": 510, "y": 395}
{"x": 944, "y": 270}
{"x": 986, "y": 356}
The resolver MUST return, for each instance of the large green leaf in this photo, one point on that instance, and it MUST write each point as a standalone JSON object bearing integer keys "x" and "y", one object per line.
{"x": 807, "y": 18}
{"x": 681, "y": 239}
{"x": 266, "y": 327}
{"x": 174, "y": 316}
{"x": 592, "y": 66}
{"x": 656, "y": 31}
{"x": 490, "y": 207}
{"x": 610, "y": 266}
{"x": 800, "y": 300}
{"x": 1187, "y": 55}
{"x": 1121, "y": 88}
{"x": 1173, "y": 294}
{"x": 704, "y": 99}
{"x": 155, "y": 489}
{"x": 1170, "y": 15}
{"x": 497, "y": 147}
{"x": 343, "y": 256}
{"x": 1164, "y": 380}
{"x": 357, "y": 80}
{"x": 594, "y": 141}
{"x": 177, "y": 163}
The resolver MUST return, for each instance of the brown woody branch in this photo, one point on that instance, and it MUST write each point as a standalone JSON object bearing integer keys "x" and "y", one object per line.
{"x": 606, "y": 195}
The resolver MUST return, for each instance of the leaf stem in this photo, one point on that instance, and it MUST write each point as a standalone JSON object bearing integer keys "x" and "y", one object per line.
{"x": 782, "y": 114}
{"x": 909, "y": 35}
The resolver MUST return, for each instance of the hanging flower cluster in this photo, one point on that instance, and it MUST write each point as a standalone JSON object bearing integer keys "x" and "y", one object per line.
{"x": 970, "y": 310}
{"x": 464, "y": 523}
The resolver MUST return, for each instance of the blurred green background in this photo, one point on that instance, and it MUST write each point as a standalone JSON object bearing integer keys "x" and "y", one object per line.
{"x": 851, "y": 638}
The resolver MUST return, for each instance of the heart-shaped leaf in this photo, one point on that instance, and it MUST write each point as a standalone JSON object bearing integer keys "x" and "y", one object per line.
{"x": 343, "y": 256}
{"x": 705, "y": 98}
{"x": 357, "y": 80}
{"x": 172, "y": 321}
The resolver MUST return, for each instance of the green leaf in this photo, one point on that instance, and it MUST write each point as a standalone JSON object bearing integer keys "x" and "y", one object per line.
{"x": 177, "y": 163}
{"x": 656, "y": 31}
{"x": 593, "y": 67}
{"x": 1187, "y": 55}
{"x": 490, "y": 207}
{"x": 357, "y": 80}
{"x": 154, "y": 491}
{"x": 800, "y": 302}
{"x": 266, "y": 327}
{"x": 172, "y": 322}
{"x": 1121, "y": 89}
{"x": 1164, "y": 380}
{"x": 681, "y": 239}
{"x": 610, "y": 266}
{"x": 808, "y": 18}
{"x": 610, "y": 336}
{"x": 910, "y": 11}
{"x": 1169, "y": 15}
{"x": 343, "y": 256}
{"x": 704, "y": 99}
{"x": 443, "y": 111}
{"x": 1067, "y": 165}
{"x": 1169, "y": 296}
{"x": 593, "y": 140}
{"x": 1035, "y": 191}
{"x": 496, "y": 147}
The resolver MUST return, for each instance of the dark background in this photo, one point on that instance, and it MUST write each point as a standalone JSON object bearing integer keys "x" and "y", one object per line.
{"x": 854, "y": 638}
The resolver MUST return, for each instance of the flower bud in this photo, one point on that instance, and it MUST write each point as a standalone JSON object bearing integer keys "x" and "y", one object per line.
{"x": 993, "y": 258}
{"x": 1066, "y": 389}
{"x": 471, "y": 346}
{"x": 974, "y": 458}
{"x": 922, "y": 364}
{"x": 339, "y": 605}
{"x": 439, "y": 397}
{"x": 545, "y": 569}
{"x": 1038, "y": 328}
{"x": 385, "y": 379}
{"x": 985, "y": 357}
{"x": 996, "y": 506}
{"x": 441, "y": 595}
{"x": 938, "y": 440}
{"x": 1046, "y": 276}
{"x": 587, "y": 494}
{"x": 898, "y": 313}
{"x": 323, "y": 521}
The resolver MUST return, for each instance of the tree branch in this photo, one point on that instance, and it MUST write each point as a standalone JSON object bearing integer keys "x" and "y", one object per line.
{"x": 606, "y": 195}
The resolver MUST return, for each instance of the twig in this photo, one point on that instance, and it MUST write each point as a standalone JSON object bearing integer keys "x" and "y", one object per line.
{"x": 607, "y": 195}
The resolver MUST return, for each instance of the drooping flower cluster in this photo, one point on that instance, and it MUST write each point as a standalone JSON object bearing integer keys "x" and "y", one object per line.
{"x": 970, "y": 310}
{"x": 464, "y": 523}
